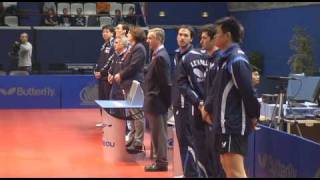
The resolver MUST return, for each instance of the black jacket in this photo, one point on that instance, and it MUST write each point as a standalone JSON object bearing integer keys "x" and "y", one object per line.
{"x": 231, "y": 99}
{"x": 157, "y": 87}
{"x": 116, "y": 66}
{"x": 176, "y": 97}
{"x": 191, "y": 74}
{"x": 104, "y": 61}
{"x": 211, "y": 71}
{"x": 132, "y": 67}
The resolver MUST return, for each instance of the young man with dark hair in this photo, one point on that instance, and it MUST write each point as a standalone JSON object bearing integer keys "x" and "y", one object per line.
{"x": 232, "y": 105}
{"x": 104, "y": 63}
{"x": 190, "y": 79}
{"x": 181, "y": 108}
{"x": 255, "y": 76}
{"x": 255, "y": 79}
{"x": 122, "y": 29}
{"x": 208, "y": 154}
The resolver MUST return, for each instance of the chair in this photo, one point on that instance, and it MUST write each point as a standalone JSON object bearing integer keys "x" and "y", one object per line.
{"x": 10, "y": 8}
{"x": 11, "y": 20}
{"x": 114, "y": 7}
{"x": 105, "y": 20}
{"x": 61, "y": 6}
{"x": 74, "y": 7}
{"x": 103, "y": 7}
{"x": 126, "y": 8}
{"x": 92, "y": 21}
{"x": 18, "y": 73}
{"x": 89, "y": 9}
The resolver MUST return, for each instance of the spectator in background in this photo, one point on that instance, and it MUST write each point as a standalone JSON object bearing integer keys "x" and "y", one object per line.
{"x": 103, "y": 8}
{"x": 47, "y": 6}
{"x": 1, "y": 14}
{"x": 65, "y": 19}
{"x": 131, "y": 17}
{"x": 10, "y": 8}
{"x": 79, "y": 19}
{"x": 25, "y": 53}
{"x": 255, "y": 76}
{"x": 117, "y": 18}
{"x": 255, "y": 79}
{"x": 51, "y": 19}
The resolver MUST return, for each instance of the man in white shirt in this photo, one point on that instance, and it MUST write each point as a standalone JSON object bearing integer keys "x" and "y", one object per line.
{"x": 25, "y": 53}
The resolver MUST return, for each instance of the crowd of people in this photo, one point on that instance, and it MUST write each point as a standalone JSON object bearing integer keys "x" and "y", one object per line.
{"x": 52, "y": 18}
{"x": 210, "y": 90}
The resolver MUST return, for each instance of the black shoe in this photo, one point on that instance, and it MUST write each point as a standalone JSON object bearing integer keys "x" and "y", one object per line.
{"x": 134, "y": 149}
{"x": 155, "y": 168}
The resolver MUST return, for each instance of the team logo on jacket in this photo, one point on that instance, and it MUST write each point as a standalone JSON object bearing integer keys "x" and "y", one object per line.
{"x": 199, "y": 74}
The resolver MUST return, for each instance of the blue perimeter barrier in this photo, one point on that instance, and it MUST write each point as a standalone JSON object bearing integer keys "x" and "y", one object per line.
{"x": 48, "y": 91}
{"x": 274, "y": 153}
{"x": 271, "y": 153}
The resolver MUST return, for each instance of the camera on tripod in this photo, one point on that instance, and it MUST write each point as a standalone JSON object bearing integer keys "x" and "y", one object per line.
{"x": 14, "y": 53}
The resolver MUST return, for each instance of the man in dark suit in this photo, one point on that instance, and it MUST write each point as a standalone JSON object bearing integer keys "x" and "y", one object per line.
{"x": 157, "y": 98}
{"x": 132, "y": 69}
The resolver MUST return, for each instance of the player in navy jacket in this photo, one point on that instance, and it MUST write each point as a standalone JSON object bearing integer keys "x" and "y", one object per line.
{"x": 233, "y": 107}
{"x": 190, "y": 81}
{"x": 213, "y": 166}
{"x": 181, "y": 107}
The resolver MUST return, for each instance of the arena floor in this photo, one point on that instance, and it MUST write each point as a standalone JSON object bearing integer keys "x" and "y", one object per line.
{"x": 60, "y": 143}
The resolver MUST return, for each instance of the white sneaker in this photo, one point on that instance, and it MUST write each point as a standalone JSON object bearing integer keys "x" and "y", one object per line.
{"x": 100, "y": 125}
{"x": 181, "y": 176}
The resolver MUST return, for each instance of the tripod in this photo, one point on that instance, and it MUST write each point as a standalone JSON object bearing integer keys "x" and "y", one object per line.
{"x": 277, "y": 113}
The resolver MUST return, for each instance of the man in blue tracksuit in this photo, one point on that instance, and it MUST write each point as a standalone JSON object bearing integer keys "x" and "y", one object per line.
{"x": 190, "y": 81}
{"x": 103, "y": 65}
{"x": 231, "y": 104}
{"x": 214, "y": 167}
{"x": 180, "y": 106}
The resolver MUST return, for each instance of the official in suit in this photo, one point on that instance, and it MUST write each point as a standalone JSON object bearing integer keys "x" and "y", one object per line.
{"x": 132, "y": 69}
{"x": 157, "y": 98}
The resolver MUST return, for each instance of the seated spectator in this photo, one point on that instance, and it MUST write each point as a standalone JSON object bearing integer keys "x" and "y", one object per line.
{"x": 47, "y": 6}
{"x": 103, "y": 8}
{"x": 79, "y": 19}
{"x": 131, "y": 17}
{"x": 117, "y": 18}
{"x": 1, "y": 14}
{"x": 10, "y": 8}
{"x": 51, "y": 19}
{"x": 65, "y": 19}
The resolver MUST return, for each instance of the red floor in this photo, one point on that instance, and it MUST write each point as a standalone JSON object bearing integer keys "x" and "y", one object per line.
{"x": 60, "y": 143}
